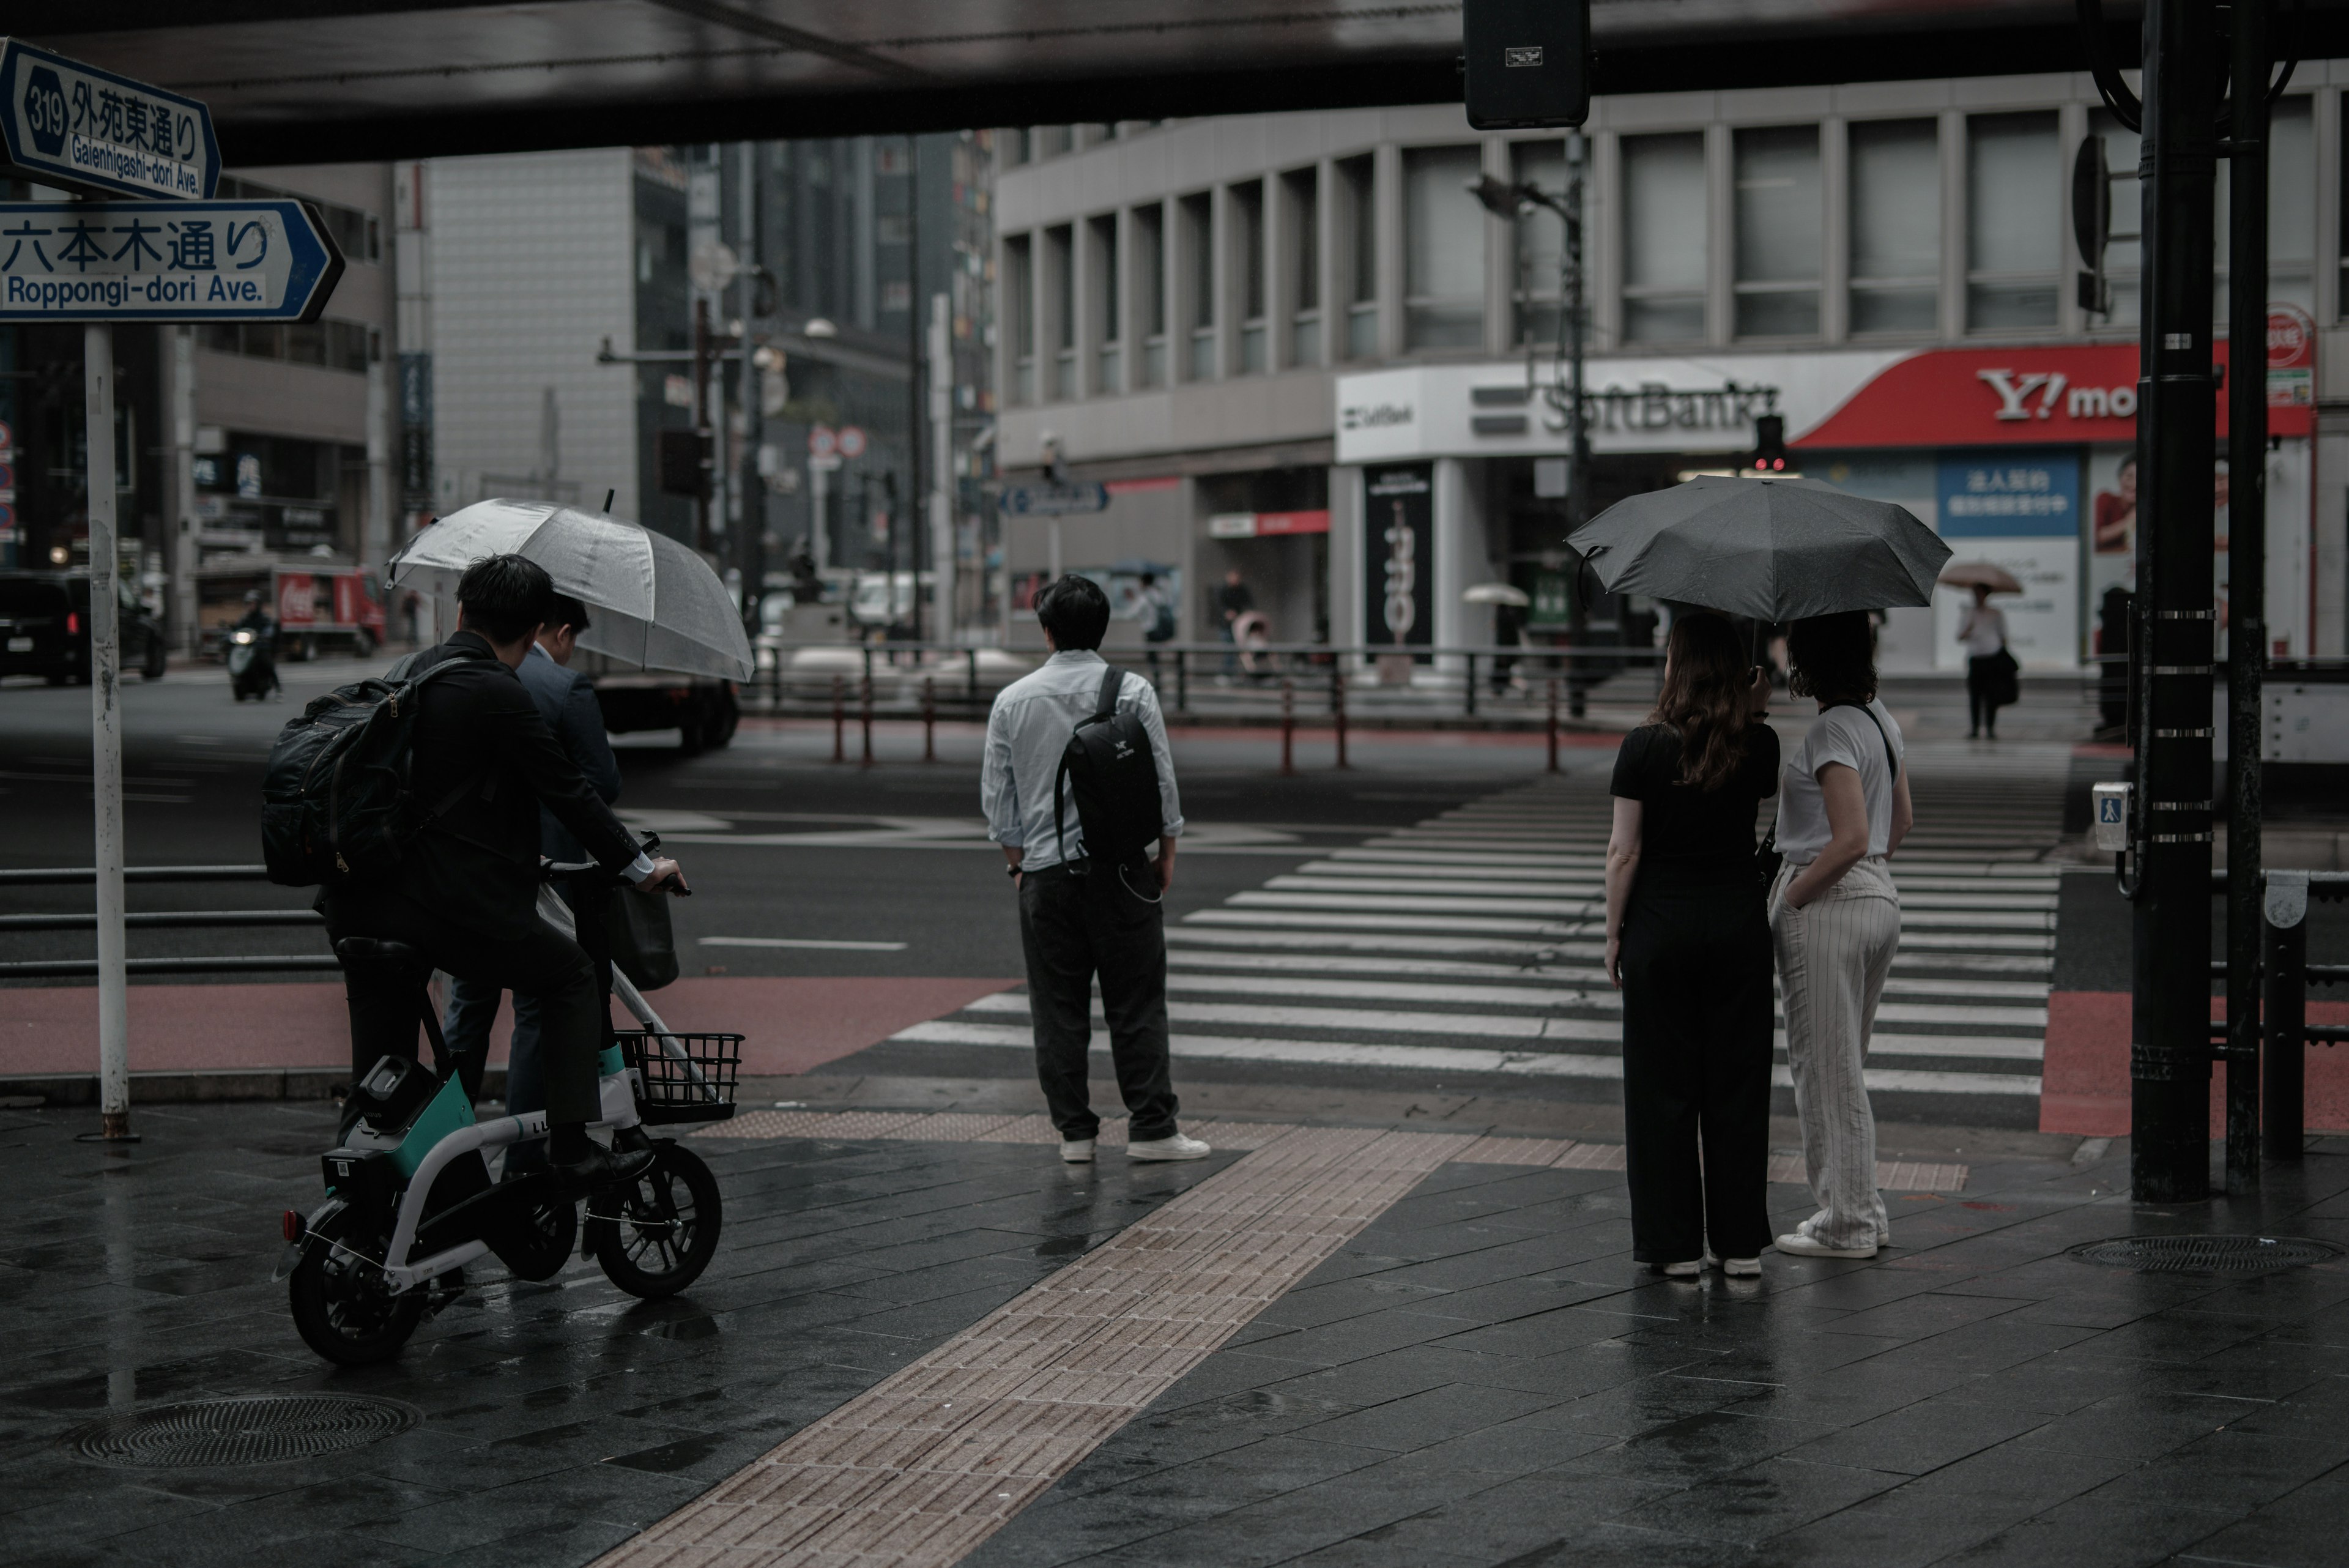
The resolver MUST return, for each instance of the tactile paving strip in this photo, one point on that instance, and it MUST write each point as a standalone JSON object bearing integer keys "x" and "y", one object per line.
{"x": 928, "y": 1464}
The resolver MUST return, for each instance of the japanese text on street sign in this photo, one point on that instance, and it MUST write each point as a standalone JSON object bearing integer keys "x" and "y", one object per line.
{"x": 79, "y": 125}
{"x": 164, "y": 261}
{"x": 1054, "y": 500}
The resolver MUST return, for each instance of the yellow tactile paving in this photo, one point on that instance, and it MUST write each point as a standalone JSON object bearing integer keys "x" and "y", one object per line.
{"x": 919, "y": 1469}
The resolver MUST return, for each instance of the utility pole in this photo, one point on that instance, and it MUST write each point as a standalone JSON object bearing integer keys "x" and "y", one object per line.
{"x": 179, "y": 341}
{"x": 945, "y": 559}
{"x": 2169, "y": 1055}
{"x": 751, "y": 522}
{"x": 703, "y": 353}
{"x": 914, "y": 410}
{"x": 2247, "y": 564}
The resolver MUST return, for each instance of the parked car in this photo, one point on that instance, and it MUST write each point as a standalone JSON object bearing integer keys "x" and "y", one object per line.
{"x": 45, "y": 628}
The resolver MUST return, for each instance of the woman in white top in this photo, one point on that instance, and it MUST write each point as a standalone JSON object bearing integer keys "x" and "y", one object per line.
{"x": 1983, "y": 632}
{"x": 1835, "y": 922}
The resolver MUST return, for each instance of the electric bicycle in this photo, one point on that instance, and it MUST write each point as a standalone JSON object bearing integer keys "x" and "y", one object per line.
{"x": 411, "y": 1195}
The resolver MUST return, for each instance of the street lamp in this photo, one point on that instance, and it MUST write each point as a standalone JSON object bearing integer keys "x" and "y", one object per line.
{"x": 1507, "y": 199}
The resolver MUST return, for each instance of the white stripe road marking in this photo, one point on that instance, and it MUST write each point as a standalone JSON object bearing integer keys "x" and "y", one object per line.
{"x": 822, "y": 943}
{"x": 1594, "y": 907}
{"x": 1327, "y": 921}
{"x": 1449, "y": 1059}
{"x": 1589, "y": 975}
{"x": 1598, "y": 996}
{"x": 1432, "y": 876}
{"x": 1355, "y": 881}
{"x": 1500, "y": 949}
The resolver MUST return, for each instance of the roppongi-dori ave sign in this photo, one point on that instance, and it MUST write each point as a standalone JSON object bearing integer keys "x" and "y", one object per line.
{"x": 164, "y": 261}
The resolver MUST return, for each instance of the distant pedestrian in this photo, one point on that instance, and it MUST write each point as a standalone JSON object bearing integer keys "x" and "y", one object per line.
{"x": 1835, "y": 918}
{"x": 1688, "y": 945}
{"x": 1155, "y": 609}
{"x": 1988, "y": 667}
{"x": 1233, "y": 600}
{"x": 1086, "y": 910}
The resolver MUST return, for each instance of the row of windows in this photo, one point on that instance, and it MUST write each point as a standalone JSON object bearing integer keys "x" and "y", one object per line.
{"x": 337, "y": 345}
{"x": 357, "y": 233}
{"x": 1947, "y": 225}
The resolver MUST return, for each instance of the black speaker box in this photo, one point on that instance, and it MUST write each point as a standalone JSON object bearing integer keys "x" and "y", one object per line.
{"x": 1528, "y": 62}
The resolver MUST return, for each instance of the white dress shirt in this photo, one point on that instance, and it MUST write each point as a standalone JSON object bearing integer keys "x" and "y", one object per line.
{"x": 1027, "y": 731}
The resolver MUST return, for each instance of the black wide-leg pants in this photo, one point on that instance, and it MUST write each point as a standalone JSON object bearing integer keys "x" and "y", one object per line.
{"x": 1696, "y": 1065}
{"x": 1075, "y": 925}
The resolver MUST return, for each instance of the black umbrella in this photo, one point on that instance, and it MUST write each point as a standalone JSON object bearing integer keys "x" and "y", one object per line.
{"x": 1773, "y": 550}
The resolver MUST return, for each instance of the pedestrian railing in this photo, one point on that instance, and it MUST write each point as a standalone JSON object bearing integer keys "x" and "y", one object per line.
{"x": 2285, "y": 981}
{"x": 166, "y": 920}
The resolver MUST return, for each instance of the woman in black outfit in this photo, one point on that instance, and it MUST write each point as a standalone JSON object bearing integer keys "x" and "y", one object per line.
{"x": 1689, "y": 944}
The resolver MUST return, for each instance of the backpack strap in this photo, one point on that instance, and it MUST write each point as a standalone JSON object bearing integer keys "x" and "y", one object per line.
{"x": 480, "y": 775}
{"x": 1112, "y": 677}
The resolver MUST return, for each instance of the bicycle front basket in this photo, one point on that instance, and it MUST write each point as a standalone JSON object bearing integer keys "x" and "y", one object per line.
{"x": 688, "y": 1077}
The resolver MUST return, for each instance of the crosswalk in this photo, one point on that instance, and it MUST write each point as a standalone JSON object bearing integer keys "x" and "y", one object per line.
{"x": 1472, "y": 943}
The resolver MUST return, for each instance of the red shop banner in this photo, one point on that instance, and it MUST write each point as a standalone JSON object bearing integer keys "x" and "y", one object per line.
{"x": 2068, "y": 394}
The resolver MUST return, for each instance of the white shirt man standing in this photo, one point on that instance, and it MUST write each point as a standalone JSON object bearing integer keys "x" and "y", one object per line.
{"x": 1082, "y": 916}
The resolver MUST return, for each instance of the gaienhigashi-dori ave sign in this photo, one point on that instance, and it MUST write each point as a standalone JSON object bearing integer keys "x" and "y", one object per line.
{"x": 165, "y": 261}
{"x": 71, "y": 124}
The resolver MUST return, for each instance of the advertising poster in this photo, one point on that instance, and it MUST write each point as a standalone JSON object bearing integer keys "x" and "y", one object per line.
{"x": 1399, "y": 555}
{"x": 2113, "y": 538}
{"x": 2019, "y": 510}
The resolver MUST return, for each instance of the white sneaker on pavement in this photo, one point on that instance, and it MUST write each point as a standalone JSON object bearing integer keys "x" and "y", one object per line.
{"x": 1174, "y": 1146}
{"x": 1741, "y": 1268}
{"x": 1687, "y": 1269}
{"x": 1803, "y": 1246}
{"x": 1077, "y": 1151}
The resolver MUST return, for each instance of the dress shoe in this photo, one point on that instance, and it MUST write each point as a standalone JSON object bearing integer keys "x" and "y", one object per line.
{"x": 600, "y": 1167}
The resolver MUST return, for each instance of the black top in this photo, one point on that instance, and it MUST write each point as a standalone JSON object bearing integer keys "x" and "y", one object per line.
{"x": 477, "y": 867}
{"x": 1683, "y": 831}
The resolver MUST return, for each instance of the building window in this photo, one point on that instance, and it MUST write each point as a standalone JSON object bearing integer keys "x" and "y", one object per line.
{"x": 1247, "y": 273}
{"x": 1048, "y": 141}
{"x": 1198, "y": 219}
{"x": 1302, "y": 192}
{"x": 1778, "y": 224}
{"x": 1020, "y": 315}
{"x": 1540, "y": 241}
{"x": 1150, "y": 286}
{"x": 2014, "y": 214}
{"x": 335, "y": 344}
{"x": 1358, "y": 223}
{"x": 1011, "y": 146}
{"x": 1060, "y": 299}
{"x": 1443, "y": 248}
{"x": 1109, "y": 368}
{"x": 1896, "y": 226}
{"x": 1663, "y": 238}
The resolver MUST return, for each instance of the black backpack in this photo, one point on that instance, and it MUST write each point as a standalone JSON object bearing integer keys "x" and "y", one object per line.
{"x": 1108, "y": 768}
{"x": 336, "y": 804}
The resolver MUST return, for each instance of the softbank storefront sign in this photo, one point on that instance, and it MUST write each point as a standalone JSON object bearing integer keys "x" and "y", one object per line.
{"x": 2017, "y": 453}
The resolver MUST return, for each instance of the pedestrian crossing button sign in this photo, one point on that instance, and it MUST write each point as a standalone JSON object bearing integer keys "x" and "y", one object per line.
{"x": 2112, "y": 818}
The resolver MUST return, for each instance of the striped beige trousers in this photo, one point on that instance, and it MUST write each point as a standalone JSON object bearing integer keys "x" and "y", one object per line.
{"x": 1833, "y": 957}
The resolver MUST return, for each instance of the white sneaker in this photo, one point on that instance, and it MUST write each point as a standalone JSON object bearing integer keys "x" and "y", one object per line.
{"x": 1688, "y": 1269}
{"x": 1077, "y": 1151}
{"x": 1803, "y": 1246}
{"x": 1741, "y": 1268}
{"x": 1174, "y": 1146}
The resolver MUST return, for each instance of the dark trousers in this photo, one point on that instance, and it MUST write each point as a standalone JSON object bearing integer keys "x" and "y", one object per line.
{"x": 1982, "y": 679}
{"x": 474, "y": 1007}
{"x": 1696, "y": 1067}
{"x": 385, "y": 1016}
{"x": 1073, "y": 927}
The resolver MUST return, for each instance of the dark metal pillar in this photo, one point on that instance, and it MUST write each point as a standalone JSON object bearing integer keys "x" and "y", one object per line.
{"x": 2246, "y": 440}
{"x": 2169, "y": 1055}
{"x": 2284, "y": 933}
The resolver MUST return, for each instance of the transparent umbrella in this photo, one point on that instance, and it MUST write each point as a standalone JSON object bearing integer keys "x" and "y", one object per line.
{"x": 655, "y": 604}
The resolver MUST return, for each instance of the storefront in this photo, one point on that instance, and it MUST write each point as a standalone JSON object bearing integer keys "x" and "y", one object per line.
{"x": 2016, "y": 455}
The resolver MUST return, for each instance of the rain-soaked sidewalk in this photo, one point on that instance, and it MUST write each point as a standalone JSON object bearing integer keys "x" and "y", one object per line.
{"x": 925, "y": 1341}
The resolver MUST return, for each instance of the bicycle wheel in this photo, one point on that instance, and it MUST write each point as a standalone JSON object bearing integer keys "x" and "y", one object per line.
{"x": 655, "y": 1235}
{"x": 343, "y": 1309}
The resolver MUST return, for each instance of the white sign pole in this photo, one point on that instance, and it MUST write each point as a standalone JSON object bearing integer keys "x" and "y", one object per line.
{"x": 106, "y": 736}
{"x": 942, "y": 477}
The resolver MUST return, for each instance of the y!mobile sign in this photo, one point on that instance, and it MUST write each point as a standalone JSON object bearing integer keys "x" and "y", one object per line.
{"x": 164, "y": 261}
{"x": 72, "y": 124}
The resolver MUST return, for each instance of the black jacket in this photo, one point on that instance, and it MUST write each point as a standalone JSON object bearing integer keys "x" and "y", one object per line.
{"x": 476, "y": 867}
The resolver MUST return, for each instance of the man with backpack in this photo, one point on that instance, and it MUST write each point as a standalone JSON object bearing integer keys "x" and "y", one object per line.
{"x": 464, "y": 890}
{"x": 1079, "y": 788}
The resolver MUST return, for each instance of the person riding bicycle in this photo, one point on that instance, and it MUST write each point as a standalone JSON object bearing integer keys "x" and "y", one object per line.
{"x": 465, "y": 893}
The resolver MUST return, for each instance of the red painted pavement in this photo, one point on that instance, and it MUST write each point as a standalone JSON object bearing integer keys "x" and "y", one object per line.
{"x": 791, "y": 1024}
{"x": 2084, "y": 1080}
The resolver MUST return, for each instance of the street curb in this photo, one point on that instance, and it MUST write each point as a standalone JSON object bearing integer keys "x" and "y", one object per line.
{"x": 76, "y": 1091}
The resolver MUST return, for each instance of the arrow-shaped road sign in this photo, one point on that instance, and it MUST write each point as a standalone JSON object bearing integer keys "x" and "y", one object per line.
{"x": 70, "y": 124}
{"x": 165, "y": 261}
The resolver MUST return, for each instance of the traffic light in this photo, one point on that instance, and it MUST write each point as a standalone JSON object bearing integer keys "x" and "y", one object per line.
{"x": 1769, "y": 444}
{"x": 1527, "y": 62}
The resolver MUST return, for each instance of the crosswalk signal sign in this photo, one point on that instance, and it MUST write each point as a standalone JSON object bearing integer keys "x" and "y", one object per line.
{"x": 1527, "y": 63}
{"x": 1770, "y": 444}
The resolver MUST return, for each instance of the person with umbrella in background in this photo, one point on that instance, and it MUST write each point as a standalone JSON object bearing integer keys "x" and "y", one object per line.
{"x": 1789, "y": 550}
{"x": 1991, "y": 669}
{"x": 1688, "y": 945}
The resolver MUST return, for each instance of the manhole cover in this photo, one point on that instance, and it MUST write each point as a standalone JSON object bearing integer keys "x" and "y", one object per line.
{"x": 2207, "y": 1254}
{"x": 260, "y": 1429}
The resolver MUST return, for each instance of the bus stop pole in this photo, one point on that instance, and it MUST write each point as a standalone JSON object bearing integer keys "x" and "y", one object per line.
{"x": 106, "y": 735}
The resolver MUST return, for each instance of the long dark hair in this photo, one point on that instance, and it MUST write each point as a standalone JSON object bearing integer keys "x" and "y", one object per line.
{"x": 1832, "y": 658}
{"x": 1706, "y": 680}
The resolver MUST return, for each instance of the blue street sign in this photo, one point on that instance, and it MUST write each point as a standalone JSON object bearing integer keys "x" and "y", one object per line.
{"x": 1053, "y": 499}
{"x": 165, "y": 261}
{"x": 66, "y": 123}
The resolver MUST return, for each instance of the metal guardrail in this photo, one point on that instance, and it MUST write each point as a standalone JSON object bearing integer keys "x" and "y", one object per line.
{"x": 162, "y": 919}
{"x": 2285, "y": 978}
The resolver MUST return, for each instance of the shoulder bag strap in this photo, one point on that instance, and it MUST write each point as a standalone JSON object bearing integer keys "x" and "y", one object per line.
{"x": 1112, "y": 679}
{"x": 1891, "y": 763}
